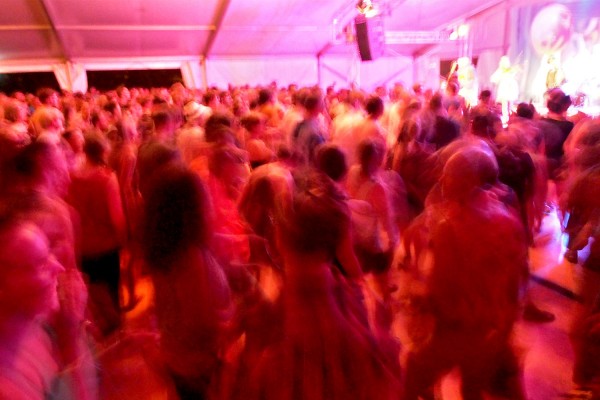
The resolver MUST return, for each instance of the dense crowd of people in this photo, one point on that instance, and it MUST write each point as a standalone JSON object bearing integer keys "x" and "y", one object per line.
{"x": 284, "y": 230}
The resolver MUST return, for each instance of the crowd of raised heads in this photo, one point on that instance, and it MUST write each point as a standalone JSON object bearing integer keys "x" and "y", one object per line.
{"x": 282, "y": 242}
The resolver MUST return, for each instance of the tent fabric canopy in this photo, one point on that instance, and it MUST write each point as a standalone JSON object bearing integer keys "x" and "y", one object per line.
{"x": 134, "y": 34}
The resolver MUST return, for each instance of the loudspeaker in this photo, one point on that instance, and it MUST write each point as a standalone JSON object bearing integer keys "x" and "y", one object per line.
{"x": 370, "y": 37}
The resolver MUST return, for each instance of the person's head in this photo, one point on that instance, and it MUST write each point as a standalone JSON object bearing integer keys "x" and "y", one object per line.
{"x": 216, "y": 121}
{"x": 417, "y": 89}
{"x": 557, "y": 101}
{"x": 163, "y": 121}
{"x": 381, "y": 91}
{"x": 257, "y": 203}
{"x": 469, "y": 169}
{"x": 397, "y": 92}
{"x": 195, "y": 114}
{"x": 263, "y": 199}
{"x": 264, "y": 96}
{"x": 178, "y": 94}
{"x": 463, "y": 62}
{"x": 226, "y": 99}
{"x": 370, "y": 153}
{"x": 589, "y": 156}
{"x": 20, "y": 96}
{"x": 330, "y": 159}
{"x": 481, "y": 126}
{"x": 123, "y": 93}
{"x": 355, "y": 98}
{"x": 177, "y": 215}
{"x": 156, "y": 155}
{"x": 48, "y": 96}
{"x": 99, "y": 120}
{"x": 452, "y": 88}
{"x": 113, "y": 110}
{"x": 125, "y": 131}
{"x": 146, "y": 102}
{"x": 239, "y": 107}
{"x": 145, "y": 128}
{"x": 227, "y": 163}
{"x": 298, "y": 97}
{"x": 253, "y": 122}
{"x": 11, "y": 144}
{"x": 436, "y": 102}
{"x": 28, "y": 271}
{"x": 211, "y": 99}
{"x": 374, "y": 107}
{"x": 75, "y": 139}
{"x": 317, "y": 220}
{"x": 96, "y": 148}
{"x": 588, "y": 144}
{"x": 221, "y": 136}
{"x": 413, "y": 105}
{"x": 313, "y": 103}
{"x": 49, "y": 120}
{"x": 43, "y": 163}
{"x": 526, "y": 110}
{"x": 589, "y": 133}
{"x": 504, "y": 62}
{"x": 15, "y": 111}
{"x": 485, "y": 96}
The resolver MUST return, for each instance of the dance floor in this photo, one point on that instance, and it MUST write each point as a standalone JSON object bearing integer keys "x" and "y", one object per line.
{"x": 549, "y": 358}
{"x": 545, "y": 349}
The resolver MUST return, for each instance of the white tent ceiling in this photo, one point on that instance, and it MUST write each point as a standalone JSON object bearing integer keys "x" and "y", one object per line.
{"x": 38, "y": 31}
{"x": 242, "y": 41}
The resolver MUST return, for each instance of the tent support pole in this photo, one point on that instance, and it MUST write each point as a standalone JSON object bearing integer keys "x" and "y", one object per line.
{"x": 57, "y": 33}
{"x": 414, "y": 69}
{"x": 507, "y": 27}
{"x": 217, "y": 21}
{"x": 203, "y": 72}
{"x": 319, "y": 69}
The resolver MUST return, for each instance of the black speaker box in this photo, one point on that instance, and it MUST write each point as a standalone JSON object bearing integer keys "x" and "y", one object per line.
{"x": 370, "y": 37}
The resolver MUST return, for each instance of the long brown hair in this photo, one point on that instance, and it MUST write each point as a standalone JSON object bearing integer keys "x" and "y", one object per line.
{"x": 177, "y": 215}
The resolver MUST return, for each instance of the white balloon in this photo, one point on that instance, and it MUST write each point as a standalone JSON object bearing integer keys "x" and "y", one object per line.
{"x": 551, "y": 29}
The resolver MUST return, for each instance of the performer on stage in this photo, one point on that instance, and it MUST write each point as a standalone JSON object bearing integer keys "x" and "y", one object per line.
{"x": 467, "y": 78}
{"x": 507, "y": 86}
{"x": 555, "y": 76}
